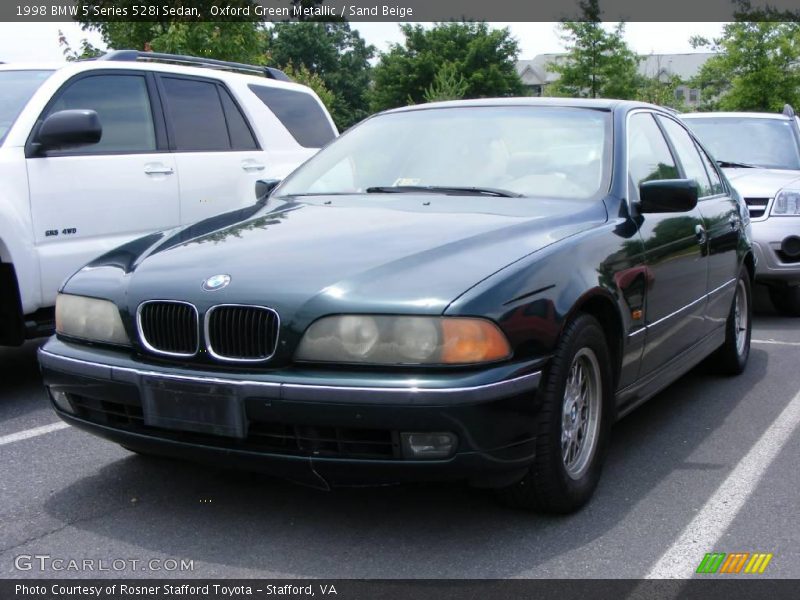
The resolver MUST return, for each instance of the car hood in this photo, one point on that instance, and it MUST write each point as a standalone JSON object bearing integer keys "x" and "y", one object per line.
{"x": 379, "y": 254}
{"x": 761, "y": 183}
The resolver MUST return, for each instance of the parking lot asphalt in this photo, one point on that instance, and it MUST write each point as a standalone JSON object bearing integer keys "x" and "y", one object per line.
{"x": 709, "y": 465}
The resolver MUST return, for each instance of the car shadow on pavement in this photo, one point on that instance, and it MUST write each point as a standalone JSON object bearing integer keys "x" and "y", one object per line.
{"x": 232, "y": 523}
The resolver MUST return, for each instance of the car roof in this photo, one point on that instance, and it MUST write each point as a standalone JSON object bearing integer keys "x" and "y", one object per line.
{"x": 738, "y": 115}
{"x": 80, "y": 66}
{"x": 590, "y": 103}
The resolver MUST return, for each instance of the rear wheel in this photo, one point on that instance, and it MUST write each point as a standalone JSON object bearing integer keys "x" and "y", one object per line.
{"x": 785, "y": 299}
{"x": 731, "y": 357}
{"x": 573, "y": 426}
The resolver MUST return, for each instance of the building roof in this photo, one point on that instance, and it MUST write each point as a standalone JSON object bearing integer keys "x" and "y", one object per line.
{"x": 536, "y": 71}
{"x": 684, "y": 66}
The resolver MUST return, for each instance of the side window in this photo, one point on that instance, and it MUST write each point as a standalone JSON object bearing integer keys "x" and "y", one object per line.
{"x": 648, "y": 153}
{"x": 717, "y": 187}
{"x": 300, "y": 114}
{"x": 241, "y": 136}
{"x": 123, "y": 106}
{"x": 195, "y": 111}
{"x": 687, "y": 153}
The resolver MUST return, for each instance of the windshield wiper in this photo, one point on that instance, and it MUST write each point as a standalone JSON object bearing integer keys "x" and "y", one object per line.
{"x": 305, "y": 194}
{"x": 732, "y": 164}
{"x": 442, "y": 189}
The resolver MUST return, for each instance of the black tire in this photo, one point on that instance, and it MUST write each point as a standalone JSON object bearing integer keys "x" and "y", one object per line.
{"x": 549, "y": 486}
{"x": 786, "y": 300}
{"x": 731, "y": 357}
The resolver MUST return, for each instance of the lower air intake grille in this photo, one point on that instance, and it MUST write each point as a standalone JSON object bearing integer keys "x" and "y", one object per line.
{"x": 278, "y": 438}
{"x": 236, "y": 332}
{"x": 757, "y": 206}
{"x": 169, "y": 327}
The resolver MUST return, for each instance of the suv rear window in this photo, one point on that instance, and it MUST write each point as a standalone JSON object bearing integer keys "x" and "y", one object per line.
{"x": 300, "y": 114}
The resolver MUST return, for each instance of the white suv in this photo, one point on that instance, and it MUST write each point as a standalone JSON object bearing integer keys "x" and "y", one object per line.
{"x": 96, "y": 153}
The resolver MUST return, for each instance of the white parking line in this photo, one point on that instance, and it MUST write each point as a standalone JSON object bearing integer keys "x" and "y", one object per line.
{"x": 776, "y": 342}
{"x": 705, "y": 530}
{"x": 29, "y": 433}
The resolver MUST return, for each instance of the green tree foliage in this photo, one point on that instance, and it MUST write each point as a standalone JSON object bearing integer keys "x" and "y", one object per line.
{"x": 746, "y": 12}
{"x": 756, "y": 67}
{"x": 223, "y": 40}
{"x": 86, "y": 49}
{"x": 599, "y": 63}
{"x": 484, "y": 58}
{"x": 660, "y": 89}
{"x": 448, "y": 84}
{"x": 335, "y": 53}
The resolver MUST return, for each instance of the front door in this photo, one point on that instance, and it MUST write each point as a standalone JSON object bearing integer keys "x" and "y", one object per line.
{"x": 88, "y": 200}
{"x": 721, "y": 220}
{"x": 675, "y": 252}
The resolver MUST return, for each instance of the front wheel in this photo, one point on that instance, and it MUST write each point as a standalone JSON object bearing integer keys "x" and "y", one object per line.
{"x": 731, "y": 357}
{"x": 573, "y": 425}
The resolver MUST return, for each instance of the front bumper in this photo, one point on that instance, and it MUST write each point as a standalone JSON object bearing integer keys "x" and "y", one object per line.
{"x": 338, "y": 428}
{"x": 768, "y": 235}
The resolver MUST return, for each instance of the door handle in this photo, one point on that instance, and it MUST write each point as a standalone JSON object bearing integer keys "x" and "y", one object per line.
{"x": 253, "y": 166}
{"x": 158, "y": 170}
{"x": 700, "y": 233}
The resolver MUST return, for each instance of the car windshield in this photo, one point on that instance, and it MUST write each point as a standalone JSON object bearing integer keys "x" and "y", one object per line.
{"x": 552, "y": 152}
{"x": 760, "y": 142}
{"x": 16, "y": 88}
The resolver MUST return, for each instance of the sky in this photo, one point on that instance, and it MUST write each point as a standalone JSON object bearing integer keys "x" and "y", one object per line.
{"x": 38, "y": 42}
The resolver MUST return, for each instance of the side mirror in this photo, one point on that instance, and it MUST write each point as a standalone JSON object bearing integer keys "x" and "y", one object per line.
{"x": 264, "y": 188}
{"x": 667, "y": 195}
{"x": 70, "y": 128}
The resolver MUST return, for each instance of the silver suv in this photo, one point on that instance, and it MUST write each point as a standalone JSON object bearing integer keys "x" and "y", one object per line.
{"x": 760, "y": 154}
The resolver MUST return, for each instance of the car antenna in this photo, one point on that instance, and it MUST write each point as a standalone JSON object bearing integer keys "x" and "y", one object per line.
{"x": 788, "y": 110}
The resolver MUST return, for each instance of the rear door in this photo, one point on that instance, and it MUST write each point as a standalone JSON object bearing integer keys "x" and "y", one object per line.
{"x": 218, "y": 157}
{"x": 674, "y": 252}
{"x": 87, "y": 200}
{"x": 721, "y": 220}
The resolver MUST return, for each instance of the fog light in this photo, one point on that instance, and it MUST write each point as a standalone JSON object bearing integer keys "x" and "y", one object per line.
{"x": 61, "y": 400}
{"x": 428, "y": 445}
{"x": 791, "y": 246}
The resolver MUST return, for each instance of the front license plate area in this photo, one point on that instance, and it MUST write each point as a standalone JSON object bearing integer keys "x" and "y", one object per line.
{"x": 202, "y": 408}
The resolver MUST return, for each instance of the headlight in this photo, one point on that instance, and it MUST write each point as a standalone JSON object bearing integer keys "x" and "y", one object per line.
{"x": 786, "y": 203}
{"x": 385, "y": 340}
{"x": 89, "y": 319}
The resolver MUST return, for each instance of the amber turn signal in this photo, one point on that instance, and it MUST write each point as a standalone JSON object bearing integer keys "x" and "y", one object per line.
{"x": 468, "y": 340}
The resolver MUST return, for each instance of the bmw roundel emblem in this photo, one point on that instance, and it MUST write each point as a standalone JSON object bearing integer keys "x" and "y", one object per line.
{"x": 217, "y": 282}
